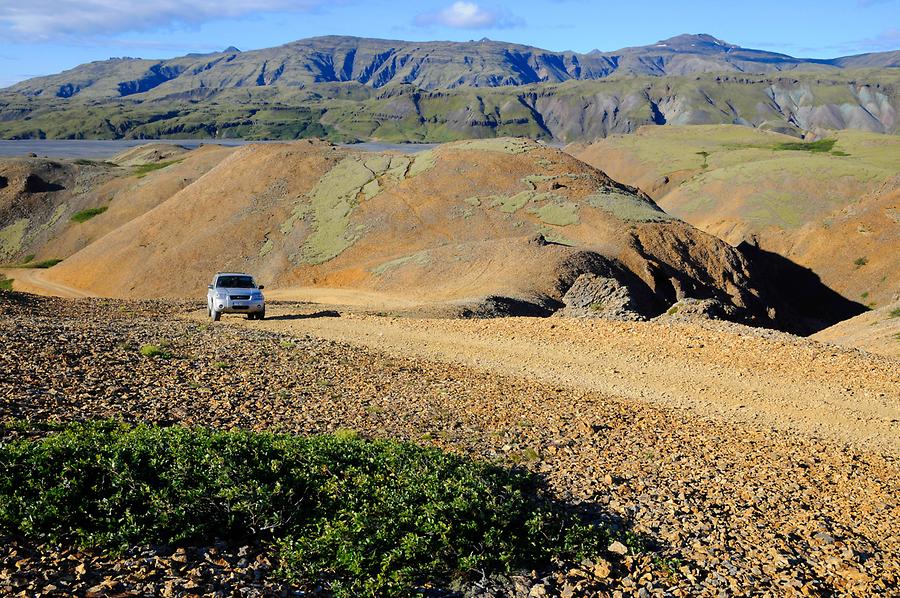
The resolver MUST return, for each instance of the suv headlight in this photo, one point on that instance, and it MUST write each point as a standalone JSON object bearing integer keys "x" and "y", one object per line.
{"x": 221, "y": 295}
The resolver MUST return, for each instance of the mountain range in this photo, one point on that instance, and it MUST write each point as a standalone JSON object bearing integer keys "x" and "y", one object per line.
{"x": 439, "y": 91}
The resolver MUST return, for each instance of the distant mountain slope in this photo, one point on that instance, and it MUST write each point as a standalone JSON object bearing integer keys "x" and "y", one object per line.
{"x": 568, "y": 112}
{"x": 346, "y": 88}
{"x": 426, "y": 65}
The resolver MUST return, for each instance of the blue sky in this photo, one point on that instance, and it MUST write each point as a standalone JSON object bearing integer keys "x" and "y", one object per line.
{"x": 39, "y": 37}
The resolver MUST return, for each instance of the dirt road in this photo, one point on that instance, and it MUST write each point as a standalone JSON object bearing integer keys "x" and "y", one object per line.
{"x": 727, "y": 507}
{"x": 31, "y": 280}
{"x": 718, "y": 371}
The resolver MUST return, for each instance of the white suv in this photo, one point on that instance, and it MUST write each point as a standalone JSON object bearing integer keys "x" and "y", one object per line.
{"x": 235, "y": 293}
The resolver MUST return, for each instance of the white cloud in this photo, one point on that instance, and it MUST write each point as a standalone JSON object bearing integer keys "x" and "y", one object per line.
{"x": 41, "y": 20}
{"x": 465, "y": 15}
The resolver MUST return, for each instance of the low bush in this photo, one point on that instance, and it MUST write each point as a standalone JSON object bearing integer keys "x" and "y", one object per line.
{"x": 85, "y": 215}
{"x": 6, "y": 284}
{"x": 44, "y": 264}
{"x": 359, "y": 516}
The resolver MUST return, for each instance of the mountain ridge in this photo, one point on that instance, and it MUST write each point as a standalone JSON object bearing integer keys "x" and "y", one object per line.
{"x": 429, "y": 65}
{"x": 349, "y": 89}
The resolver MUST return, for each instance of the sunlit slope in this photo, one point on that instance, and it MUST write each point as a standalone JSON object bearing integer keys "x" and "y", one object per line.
{"x": 461, "y": 223}
{"x": 830, "y": 206}
{"x": 50, "y": 209}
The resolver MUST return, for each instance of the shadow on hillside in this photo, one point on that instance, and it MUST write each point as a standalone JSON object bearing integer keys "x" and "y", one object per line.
{"x": 326, "y": 313}
{"x": 805, "y": 304}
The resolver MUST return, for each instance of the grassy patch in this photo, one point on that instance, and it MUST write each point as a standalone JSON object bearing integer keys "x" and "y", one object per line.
{"x": 894, "y": 313}
{"x": 359, "y": 517}
{"x": 155, "y": 351}
{"x": 143, "y": 170}
{"x": 85, "y": 215}
{"x": 6, "y": 284}
{"x": 821, "y": 146}
{"x": 860, "y": 261}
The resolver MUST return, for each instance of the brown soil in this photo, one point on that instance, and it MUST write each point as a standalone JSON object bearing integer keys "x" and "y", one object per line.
{"x": 876, "y": 331}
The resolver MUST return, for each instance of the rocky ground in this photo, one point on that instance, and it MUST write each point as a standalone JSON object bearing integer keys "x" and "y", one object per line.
{"x": 728, "y": 508}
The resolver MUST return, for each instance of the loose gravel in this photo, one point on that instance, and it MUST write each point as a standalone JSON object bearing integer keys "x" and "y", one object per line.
{"x": 726, "y": 508}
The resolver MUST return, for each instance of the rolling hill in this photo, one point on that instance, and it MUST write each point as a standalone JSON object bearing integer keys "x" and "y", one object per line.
{"x": 832, "y": 206}
{"x": 346, "y": 89}
{"x": 474, "y": 228}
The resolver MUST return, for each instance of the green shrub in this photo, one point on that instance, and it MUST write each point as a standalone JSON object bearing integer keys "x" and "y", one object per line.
{"x": 85, "y": 215}
{"x": 860, "y": 262}
{"x": 895, "y": 313}
{"x": 6, "y": 284}
{"x": 44, "y": 264}
{"x": 817, "y": 147}
{"x": 361, "y": 517}
{"x": 155, "y": 351}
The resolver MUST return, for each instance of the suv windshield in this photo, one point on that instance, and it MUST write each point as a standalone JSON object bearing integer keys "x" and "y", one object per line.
{"x": 235, "y": 282}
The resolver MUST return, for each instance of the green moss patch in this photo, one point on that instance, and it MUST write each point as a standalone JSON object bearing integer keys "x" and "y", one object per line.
{"x": 85, "y": 215}
{"x": 627, "y": 207}
{"x": 821, "y": 146}
{"x": 143, "y": 170}
{"x": 357, "y": 517}
{"x": 506, "y": 145}
{"x": 514, "y": 203}
{"x": 423, "y": 162}
{"x": 12, "y": 236}
{"x": 558, "y": 214}
{"x": 332, "y": 201}
{"x": 421, "y": 259}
